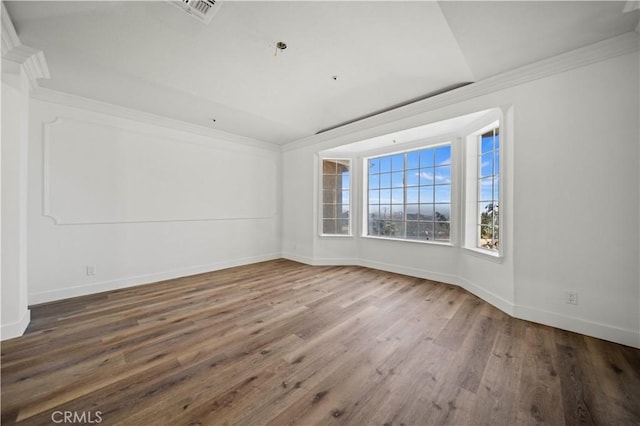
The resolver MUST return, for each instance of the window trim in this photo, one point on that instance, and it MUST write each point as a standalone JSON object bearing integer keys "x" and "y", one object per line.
{"x": 422, "y": 144}
{"x": 407, "y": 240}
{"x": 470, "y": 143}
{"x": 320, "y": 185}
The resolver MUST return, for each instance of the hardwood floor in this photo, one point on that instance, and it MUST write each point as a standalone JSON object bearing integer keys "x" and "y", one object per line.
{"x": 283, "y": 343}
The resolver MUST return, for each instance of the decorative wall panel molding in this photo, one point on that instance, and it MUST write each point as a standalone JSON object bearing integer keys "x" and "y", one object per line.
{"x": 96, "y": 173}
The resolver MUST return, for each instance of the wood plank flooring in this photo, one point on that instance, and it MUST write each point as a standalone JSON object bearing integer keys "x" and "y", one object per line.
{"x": 279, "y": 343}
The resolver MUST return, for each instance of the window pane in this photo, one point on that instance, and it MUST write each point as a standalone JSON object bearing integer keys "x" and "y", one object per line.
{"x": 374, "y": 196}
{"x": 487, "y": 238}
{"x": 426, "y": 176}
{"x": 329, "y": 197}
{"x": 397, "y": 196}
{"x": 329, "y": 211}
{"x": 374, "y": 225}
{"x": 328, "y": 181}
{"x": 342, "y": 226}
{"x": 385, "y": 211}
{"x": 329, "y": 167}
{"x": 442, "y": 231}
{"x": 486, "y": 164}
{"x": 329, "y": 226}
{"x": 374, "y": 211}
{"x": 374, "y": 181}
{"x": 397, "y": 180}
{"x": 413, "y": 160}
{"x": 426, "y": 194}
{"x": 412, "y": 211}
{"x": 344, "y": 211}
{"x": 344, "y": 198}
{"x": 385, "y": 180}
{"x": 487, "y": 144}
{"x": 374, "y": 165}
{"x": 397, "y": 229}
{"x": 426, "y": 158}
{"x": 385, "y": 164}
{"x": 387, "y": 228}
{"x": 426, "y": 212}
{"x": 443, "y": 155}
{"x": 412, "y": 195}
{"x": 385, "y": 196}
{"x": 397, "y": 212}
{"x": 413, "y": 178}
{"x": 443, "y": 193}
{"x": 442, "y": 174}
{"x": 345, "y": 180}
{"x": 413, "y": 231}
{"x": 426, "y": 230}
{"x": 496, "y": 142}
{"x": 491, "y": 209}
{"x": 397, "y": 163}
{"x": 485, "y": 213}
{"x": 442, "y": 212}
{"x": 496, "y": 165}
{"x": 486, "y": 189}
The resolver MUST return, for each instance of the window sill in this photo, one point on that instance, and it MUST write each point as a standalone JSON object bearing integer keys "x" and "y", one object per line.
{"x": 484, "y": 254}
{"x": 335, "y": 236}
{"x": 429, "y": 242}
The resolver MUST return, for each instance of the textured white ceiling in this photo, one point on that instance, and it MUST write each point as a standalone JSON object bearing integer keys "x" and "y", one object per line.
{"x": 153, "y": 57}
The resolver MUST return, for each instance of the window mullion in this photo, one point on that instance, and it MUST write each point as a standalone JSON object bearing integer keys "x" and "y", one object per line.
{"x": 404, "y": 193}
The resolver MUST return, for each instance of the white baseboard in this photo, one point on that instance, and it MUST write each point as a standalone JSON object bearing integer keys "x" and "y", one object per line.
{"x": 579, "y": 325}
{"x": 412, "y": 272}
{"x": 85, "y": 289}
{"x": 503, "y": 304}
{"x": 299, "y": 258}
{"x": 15, "y": 329}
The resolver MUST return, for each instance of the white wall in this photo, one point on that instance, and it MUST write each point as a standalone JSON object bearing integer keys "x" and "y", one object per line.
{"x": 577, "y": 221}
{"x": 141, "y": 202}
{"x": 15, "y": 111}
{"x": 571, "y": 202}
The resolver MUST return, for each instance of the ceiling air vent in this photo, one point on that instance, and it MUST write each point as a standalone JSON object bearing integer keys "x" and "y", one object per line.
{"x": 202, "y": 10}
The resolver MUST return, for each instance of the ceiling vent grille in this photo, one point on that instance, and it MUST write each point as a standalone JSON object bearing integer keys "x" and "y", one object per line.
{"x": 202, "y": 10}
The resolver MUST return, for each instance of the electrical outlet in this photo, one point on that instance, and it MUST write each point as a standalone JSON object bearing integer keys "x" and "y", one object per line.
{"x": 571, "y": 297}
{"x": 91, "y": 270}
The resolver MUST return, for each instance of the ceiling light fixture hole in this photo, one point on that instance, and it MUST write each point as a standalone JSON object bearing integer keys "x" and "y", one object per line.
{"x": 281, "y": 45}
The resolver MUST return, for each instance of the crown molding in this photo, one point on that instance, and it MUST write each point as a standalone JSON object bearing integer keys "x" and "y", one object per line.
{"x": 32, "y": 60}
{"x": 75, "y": 101}
{"x": 9, "y": 36}
{"x": 601, "y": 51}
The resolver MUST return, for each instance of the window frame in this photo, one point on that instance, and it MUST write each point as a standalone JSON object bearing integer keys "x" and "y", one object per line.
{"x": 432, "y": 143}
{"x": 321, "y": 203}
{"x": 471, "y": 153}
